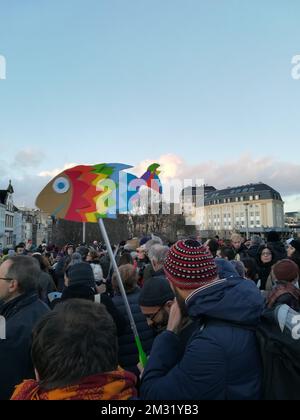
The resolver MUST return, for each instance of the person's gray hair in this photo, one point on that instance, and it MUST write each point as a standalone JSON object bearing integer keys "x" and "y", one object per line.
{"x": 76, "y": 258}
{"x": 256, "y": 240}
{"x": 154, "y": 241}
{"x": 26, "y": 270}
{"x": 158, "y": 253}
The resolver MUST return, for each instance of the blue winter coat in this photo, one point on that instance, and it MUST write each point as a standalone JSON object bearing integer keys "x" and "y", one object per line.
{"x": 221, "y": 360}
{"x": 21, "y": 314}
{"x": 128, "y": 354}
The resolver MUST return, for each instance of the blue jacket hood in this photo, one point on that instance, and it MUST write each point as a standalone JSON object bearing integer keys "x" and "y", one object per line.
{"x": 225, "y": 268}
{"x": 234, "y": 299}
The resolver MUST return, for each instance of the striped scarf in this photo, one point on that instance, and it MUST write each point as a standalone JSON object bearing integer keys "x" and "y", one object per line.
{"x": 117, "y": 385}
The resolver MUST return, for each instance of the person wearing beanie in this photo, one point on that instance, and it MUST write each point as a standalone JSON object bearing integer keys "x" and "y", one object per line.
{"x": 221, "y": 360}
{"x": 293, "y": 251}
{"x": 286, "y": 290}
{"x": 80, "y": 284}
{"x": 156, "y": 300}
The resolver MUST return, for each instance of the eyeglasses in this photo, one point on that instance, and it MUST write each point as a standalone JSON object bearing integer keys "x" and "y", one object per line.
{"x": 152, "y": 316}
{"x": 266, "y": 254}
{"x": 6, "y": 278}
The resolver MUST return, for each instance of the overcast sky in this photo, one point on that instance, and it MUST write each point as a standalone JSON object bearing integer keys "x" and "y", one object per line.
{"x": 203, "y": 87}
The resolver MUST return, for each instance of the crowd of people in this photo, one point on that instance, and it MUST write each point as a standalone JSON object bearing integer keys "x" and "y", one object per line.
{"x": 197, "y": 305}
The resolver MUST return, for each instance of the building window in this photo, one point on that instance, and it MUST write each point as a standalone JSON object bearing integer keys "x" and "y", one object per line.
{"x": 251, "y": 198}
{"x": 257, "y": 197}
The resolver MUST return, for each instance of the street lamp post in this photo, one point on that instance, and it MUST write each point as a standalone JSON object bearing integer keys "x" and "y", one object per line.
{"x": 247, "y": 221}
{"x": 83, "y": 232}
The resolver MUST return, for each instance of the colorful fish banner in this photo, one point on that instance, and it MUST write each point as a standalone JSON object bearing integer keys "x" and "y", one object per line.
{"x": 92, "y": 193}
{"x": 89, "y": 193}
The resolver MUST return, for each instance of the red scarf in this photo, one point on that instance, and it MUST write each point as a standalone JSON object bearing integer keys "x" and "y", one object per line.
{"x": 117, "y": 385}
{"x": 282, "y": 289}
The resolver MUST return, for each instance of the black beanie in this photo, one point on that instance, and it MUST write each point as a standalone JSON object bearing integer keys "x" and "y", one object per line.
{"x": 156, "y": 292}
{"x": 82, "y": 274}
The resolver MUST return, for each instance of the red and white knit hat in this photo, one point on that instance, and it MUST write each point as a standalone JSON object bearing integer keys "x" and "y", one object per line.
{"x": 189, "y": 265}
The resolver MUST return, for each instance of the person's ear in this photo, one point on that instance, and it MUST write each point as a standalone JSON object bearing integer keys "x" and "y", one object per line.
{"x": 13, "y": 286}
{"x": 168, "y": 305}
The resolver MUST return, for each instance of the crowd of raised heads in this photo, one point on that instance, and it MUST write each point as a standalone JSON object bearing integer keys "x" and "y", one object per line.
{"x": 206, "y": 312}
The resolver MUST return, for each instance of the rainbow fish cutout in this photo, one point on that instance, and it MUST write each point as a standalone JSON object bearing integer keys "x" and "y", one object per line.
{"x": 88, "y": 193}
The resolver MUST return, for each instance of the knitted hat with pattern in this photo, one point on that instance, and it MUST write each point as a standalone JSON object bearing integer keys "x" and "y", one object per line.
{"x": 189, "y": 265}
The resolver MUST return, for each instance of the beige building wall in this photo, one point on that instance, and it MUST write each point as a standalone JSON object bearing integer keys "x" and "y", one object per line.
{"x": 232, "y": 216}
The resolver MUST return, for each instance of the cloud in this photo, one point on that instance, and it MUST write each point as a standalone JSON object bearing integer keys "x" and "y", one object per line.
{"x": 28, "y": 158}
{"x": 3, "y": 168}
{"x": 171, "y": 166}
{"x": 27, "y": 189}
{"x": 292, "y": 203}
{"x": 282, "y": 176}
{"x": 54, "y": 172}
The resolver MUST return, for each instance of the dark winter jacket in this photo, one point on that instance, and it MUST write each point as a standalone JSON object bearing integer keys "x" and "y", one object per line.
{"x": 264, "y": 270}
{"x": 221, "y": 360}
{"x": 59, "y": 272}
{"x": 128, "y": 354}
{"x": 149, "y": 272}
{"x": 46, "y": 285}
{"x": 21, "y": 315}
{"x": 252, "y": 252}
